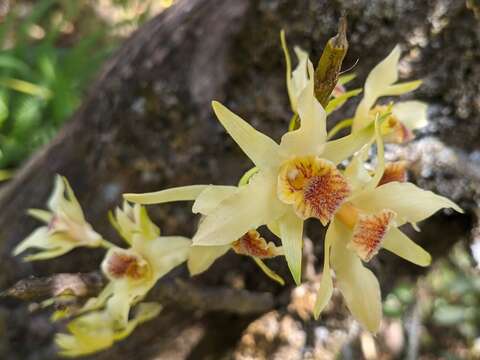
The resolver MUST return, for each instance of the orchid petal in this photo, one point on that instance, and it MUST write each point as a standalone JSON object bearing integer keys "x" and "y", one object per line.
{"x": 326, "y": 286}
{"x": 412, "y": 114}
{"x": 376, "y": 85}
{"x": 400, "y": 244}
{"x": 251, "y": 206}
{"x": 338, "y": 150}
{"x": 310, "y": 138}
{"x": 163, "y": 253}
{"x": 291, "y": 231}
{"x": 358, "y": 285}
{"x": 201, "y": 258}
{"x": 182, "y": 193}
{"x": 262, "y": 150}
{"x": 209, "y": 199}
{"x": 411, "y": 203}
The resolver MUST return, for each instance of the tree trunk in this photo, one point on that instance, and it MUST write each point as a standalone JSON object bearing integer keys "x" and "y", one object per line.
{"x": 147, "y": 124}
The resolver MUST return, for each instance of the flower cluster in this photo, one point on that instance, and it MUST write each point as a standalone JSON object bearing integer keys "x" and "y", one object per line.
{"x": 131, "y": 271}
{"x": 306, "y": 175}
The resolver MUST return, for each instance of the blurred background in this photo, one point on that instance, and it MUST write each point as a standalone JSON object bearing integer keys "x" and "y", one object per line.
{"x": 51, "y": 52}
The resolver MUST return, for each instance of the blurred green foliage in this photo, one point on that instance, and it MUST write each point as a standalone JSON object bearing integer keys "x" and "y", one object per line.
{"x": 49, "y": 52}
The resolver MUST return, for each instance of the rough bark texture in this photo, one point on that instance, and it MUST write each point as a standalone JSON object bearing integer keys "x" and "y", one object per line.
{"x": 146, "y": 124}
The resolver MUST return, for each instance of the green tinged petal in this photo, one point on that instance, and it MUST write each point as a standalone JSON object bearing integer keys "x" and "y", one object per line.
{"x": 402, "y": 88}
{"x": 262, "y": 150}
{"x": 337, "y": 102}
{"x": 182, "y": 193}
{"x": 291, "y": 234}
{"x": 400, "y": 244}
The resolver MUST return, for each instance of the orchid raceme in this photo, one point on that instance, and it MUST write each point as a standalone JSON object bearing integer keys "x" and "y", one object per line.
{"x": 406, "y": 116}
{"x": 296, "y": 179}
{"x": 134, "y": 271}
{"x": 368, "y": 221}
{"x": 66, "y": 226}
{"x": 96, "y": 331}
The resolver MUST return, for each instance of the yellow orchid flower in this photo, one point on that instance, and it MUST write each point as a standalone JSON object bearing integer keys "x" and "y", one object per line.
{"x": 368, "y": 221}
{"x": 66, "y": 226}
{"x": 405, "y": 116}
{"x": 96, "y": 331}
{"x": 134, "y": 271}
{"x": 296, "y": 179}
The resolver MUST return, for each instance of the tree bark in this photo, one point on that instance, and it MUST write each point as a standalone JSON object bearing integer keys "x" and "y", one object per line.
{"x": 147, "y": 124}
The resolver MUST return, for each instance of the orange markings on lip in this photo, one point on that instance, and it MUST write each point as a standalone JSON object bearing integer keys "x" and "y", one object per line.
{"x": 369, "y": 232}
{"x": 252, "y": 244}
{"x": 394, "y": 171}
{"x": 121, "y": 264}
{"x": 314, "y": 186}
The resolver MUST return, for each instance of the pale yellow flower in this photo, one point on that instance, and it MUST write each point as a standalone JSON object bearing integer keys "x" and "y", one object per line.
{"x": 134, "y": 271}
{"x": 66, "y": 226}
{"x": 405, "y": 116}
{"x": 285, "y": 190}
{"x": 367, "y": 222}
{"x": 97, "y": 331}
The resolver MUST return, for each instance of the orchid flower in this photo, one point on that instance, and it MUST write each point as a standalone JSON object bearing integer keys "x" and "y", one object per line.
{"x": 66, "y": 226}
{"x": 96, "y": 331}
{"x": 296, "y": 179}
{"x": 405, "y": 116}
{"x": 368, "y": 221}
{"x": 134, "y": 271}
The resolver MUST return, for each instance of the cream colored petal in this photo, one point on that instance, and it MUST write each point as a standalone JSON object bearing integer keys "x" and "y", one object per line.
{"x": 163, "y": 253}
{"x": 376, "y": 85}
{"x": 300, "y": 74}
{"x": 145, "y": 226}
{"x": 400, "y": 244}
{"x": 209, "y": 199}
{"x": 63, "y": 200}
{"x": 326, "y": 286}
{"x": 291, "y": 231}
{"x": 201, "y": 258}
{"x": 338, "y": 150}
{"x": 411, "y": 203}
{"x": 251, "y": 206}
{"x": 262, "y": 150}
{"x": 182, "y": 193}
{"x": 49, "y": 246}
{"x": 310, "y": 138}
{"x": 42, "y": 215}
{"x": 274, "y": 227}
{"x": 412, "y": 114}
{"x": 358, "y": 285}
